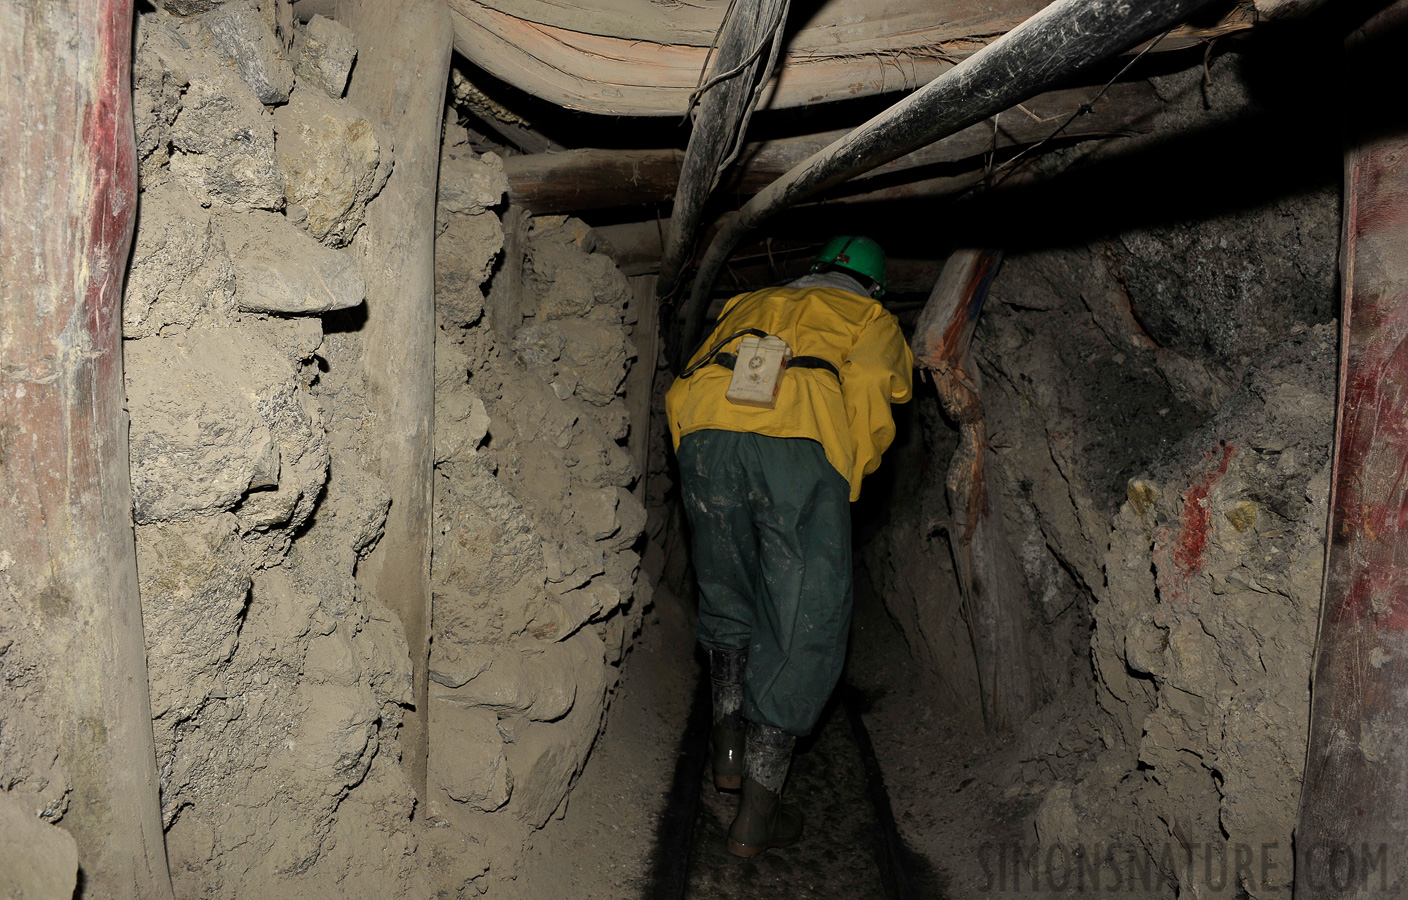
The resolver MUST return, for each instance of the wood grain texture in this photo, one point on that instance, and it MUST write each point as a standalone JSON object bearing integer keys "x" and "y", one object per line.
{"x": 1354, "y": 802}
{"x": 989, "y": 571}
{"x": 403, "y": 64}
{"x": 578, "y": 180}
{"x": 68, "y": 571}
{"x": 627, "y": 58}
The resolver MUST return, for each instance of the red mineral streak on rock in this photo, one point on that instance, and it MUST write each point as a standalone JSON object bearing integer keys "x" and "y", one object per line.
{"x": 1193, "y": 533}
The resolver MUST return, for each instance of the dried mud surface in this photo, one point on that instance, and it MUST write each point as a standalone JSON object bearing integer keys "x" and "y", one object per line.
{"x": 1160, "y": 407}
{"x": 279, "y": 679}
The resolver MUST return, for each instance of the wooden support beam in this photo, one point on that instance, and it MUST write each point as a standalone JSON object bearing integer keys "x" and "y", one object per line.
{"x": 989, "y": 572}
{"x": 75, "y": 709}
{"x": 750, "y": 39}
{"x": 506, "y": 291}
{"x": 403, "y": 65}
{"x": 635, "y": 248}
{"x": 636, "y": 58}
{"x": 641, "y": 380}
{"x": 1287, "y": 9}
{"x": 1354, "y": 800}
{"x": 1066, "y": 38}
{"x": 577, "y": 180}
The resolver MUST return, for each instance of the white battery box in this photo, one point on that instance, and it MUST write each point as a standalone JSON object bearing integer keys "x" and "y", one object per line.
{"x": 757, "y": 373}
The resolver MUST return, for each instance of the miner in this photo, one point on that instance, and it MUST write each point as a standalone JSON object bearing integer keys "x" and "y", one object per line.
{"x": 776, "y": 419}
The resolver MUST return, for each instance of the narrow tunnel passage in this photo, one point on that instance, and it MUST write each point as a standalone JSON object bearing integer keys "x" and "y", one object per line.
{"x": 520, "y": 717}
{"x": 850, "y": 847}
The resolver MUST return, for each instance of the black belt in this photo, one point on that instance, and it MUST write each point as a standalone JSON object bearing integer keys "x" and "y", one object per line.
{"x": 729, "y": 360}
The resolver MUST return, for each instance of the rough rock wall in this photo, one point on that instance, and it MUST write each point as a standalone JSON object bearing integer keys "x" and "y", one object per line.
{"x": 537, "y": 592}
{"x": 907, "y": 558}
{"x": 1204, "y": 635}
{"x": 1198, "y": 483}
{"x": 1160, "y": 400}
{"x": 277, "y": 682}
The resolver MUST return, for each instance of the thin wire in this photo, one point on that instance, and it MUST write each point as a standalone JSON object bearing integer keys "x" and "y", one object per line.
{"x": 1080, "y": 111}
{"x": 752, "y": 57}
{"x": 699, "y": 89}
{"x": 776, "y": 33}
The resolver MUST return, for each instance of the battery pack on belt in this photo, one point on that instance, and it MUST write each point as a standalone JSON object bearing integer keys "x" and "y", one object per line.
{"x": 729, "y": 360}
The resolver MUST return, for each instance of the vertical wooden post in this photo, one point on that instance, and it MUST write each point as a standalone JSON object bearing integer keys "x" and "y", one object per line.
{"x": 989, "y": 572}
{"x": 1354, "y": 802}
{"x": 403, "y": 66}
{"x": 504, "y": 302}
{"x": 723, "y": 114}
{"x": 641, "y": 382}
{"x": 68, "y": 566}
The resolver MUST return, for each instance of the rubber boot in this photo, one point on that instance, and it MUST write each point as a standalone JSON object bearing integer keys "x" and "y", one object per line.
{"x": 763, "y": 820}
{"x": 726, "y": 674}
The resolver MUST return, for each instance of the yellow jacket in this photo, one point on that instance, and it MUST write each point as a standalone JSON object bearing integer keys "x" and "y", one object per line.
{"x": 849, "y": 417}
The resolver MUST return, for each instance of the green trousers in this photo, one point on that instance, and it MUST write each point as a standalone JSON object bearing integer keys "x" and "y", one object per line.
{"x": 772, "y": 551}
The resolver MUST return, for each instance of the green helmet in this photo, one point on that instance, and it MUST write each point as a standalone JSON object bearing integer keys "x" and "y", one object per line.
{"x": 860, "y": 255}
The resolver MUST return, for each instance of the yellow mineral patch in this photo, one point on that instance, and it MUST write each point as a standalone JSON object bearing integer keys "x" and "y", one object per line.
{"x": 1243, "y": 515}
{"x": 1142, "y": 495}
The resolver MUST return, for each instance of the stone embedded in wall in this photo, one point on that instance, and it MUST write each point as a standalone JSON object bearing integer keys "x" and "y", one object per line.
{"x": 469, "y": 235}
{"x": 219, "y": 420}
{"x": 358, "y": 501}
{"x": 568, "y": 284}
{"x": 222, "y": 141}
{"x": 488, "y": 562}
{"x": 470, "y": 185}
{"x": 578, "y": 357}
{"x": 281, "y": 507}
{"x": 630, "y": 513}
{"x": 571, "y": 563}
{"x": 34, "y": 775}
{"x": 336, "y": 735}
{"x": 334, "y": 160}
{"x": 285, "y": 746}
{"x": 536, "y": 596}
{"x": 467, "y": 757}
{"x": 159, "y": 78}
{"x": 195, "y": 583}
{"x": 323, "y": 53}
{"x": 596, "y": 356}
{"x": 534, "y": 678}
{"x": 1205, "y": 628}
{"x": 280, "y": 269}
{"x": 545, "y": 757}
{"x": 37, "y": 861}
{"x": 241, "y": 34}
{"x": 575, "y": 608}
{"x": 468, "y": 412}
{"x": 198, "y": 440}
{"x": 278, "y": 682}
{"x": 596, "y": 508}
{"x": 189, "y": 7}
{"x": 180, "y": 272}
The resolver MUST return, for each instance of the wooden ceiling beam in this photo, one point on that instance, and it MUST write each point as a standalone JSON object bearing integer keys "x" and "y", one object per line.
{"x": 626, "y": 58}
{"x": 579, "y": 180}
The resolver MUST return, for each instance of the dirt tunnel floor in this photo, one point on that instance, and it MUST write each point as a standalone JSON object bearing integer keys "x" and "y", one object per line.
{"x": 837, "y": 856}
{"x": 952, "y": 791}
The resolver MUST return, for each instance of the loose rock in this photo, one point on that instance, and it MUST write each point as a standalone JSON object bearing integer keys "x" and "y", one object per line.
{"x": 324, "y": 51}
{"x": 180, "y": 272}
{"x": 223, "y": 140}
{"x": 37, "y": 861}
{"x": 334, "y": 160}
{"x": 241, "y": 34}
{"x": 280, "y": 269}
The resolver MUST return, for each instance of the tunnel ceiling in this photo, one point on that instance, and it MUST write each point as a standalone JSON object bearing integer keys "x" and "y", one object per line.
{"x": 643, "y": 58}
